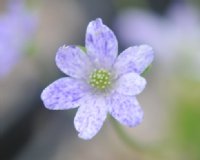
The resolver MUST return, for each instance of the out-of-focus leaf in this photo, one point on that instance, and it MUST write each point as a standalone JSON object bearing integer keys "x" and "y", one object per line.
{"x": 31, "y": 48}
{"x": 147, "y": 70}
{"x": 128, "y": 3}
{"x": 187, "y": 120}
{"x": 82, "y": 48}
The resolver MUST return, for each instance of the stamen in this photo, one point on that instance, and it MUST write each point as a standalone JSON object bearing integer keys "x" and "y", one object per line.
{"x": 100, "y": 79}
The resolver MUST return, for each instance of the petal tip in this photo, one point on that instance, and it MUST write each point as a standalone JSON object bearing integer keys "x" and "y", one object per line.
{"x": 84, "y": 137}
{"x": 98, "y": 20}
{"x": 139, "y": 116}
{"x": 44, "y": 97}
{"x": 148, "y": 48}
{"x": 97, "y": 23}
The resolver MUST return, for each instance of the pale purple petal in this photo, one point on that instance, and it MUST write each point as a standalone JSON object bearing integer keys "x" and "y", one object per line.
{"x": 73, "y": 61}
{"x": 64, "y": 93}
{"x": 101, "y": 44}
{"x": 90, "y": 116}
{"x": 125, "y": 109}
{"x": 130, "y": 84}
{"x": 134, "y": 59}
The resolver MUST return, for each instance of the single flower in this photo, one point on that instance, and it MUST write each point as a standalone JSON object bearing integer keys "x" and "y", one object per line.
{"x": 99, "y": 82}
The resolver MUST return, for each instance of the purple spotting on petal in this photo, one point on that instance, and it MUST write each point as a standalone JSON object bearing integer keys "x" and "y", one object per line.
{"x": 72, "y": 61}
{"x": 64, "y": 93}
{"x": 125, "y": 109}
{"x": 99, "y": 83}
{"x": 89, "y": 38}
{"x": 90, "y": 116}
{"x": 134, "y": 59}
{"x": 101, "y": 44}
{"x": 130, "y": 84}
{"x": 98, "y": 23}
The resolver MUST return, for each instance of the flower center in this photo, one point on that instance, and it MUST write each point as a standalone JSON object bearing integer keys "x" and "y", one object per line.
{"x": 100, "y": 79}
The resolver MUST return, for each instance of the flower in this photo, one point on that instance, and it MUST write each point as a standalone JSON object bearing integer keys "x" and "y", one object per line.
{"x": 175, "y": 36}
{"x": 99, "y": 82}
{"x": 17, "y": 26}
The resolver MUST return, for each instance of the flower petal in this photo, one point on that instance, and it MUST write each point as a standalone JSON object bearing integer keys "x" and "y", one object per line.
{"x": 64, "y": 93}
{"x": 101, "y": 44}
{"x": 126, "y": 110}
{"x": 130, "y": 84}
{"x": 90, "y": 117}
{"x": 73, "y": 61}
{"x": 134, "y": 59}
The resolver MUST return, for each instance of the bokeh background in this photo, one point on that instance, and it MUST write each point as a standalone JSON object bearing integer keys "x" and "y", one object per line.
{"x": 171, "y": 100}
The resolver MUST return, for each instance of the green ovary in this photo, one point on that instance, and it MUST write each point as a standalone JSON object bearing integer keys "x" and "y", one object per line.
{"x": 100, "y": 79}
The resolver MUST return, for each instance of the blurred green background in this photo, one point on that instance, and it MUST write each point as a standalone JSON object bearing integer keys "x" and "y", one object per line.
{"x": 171, "y": 100}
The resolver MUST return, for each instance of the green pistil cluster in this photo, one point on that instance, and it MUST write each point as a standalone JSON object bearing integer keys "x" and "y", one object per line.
{"x": 100, "y": 79}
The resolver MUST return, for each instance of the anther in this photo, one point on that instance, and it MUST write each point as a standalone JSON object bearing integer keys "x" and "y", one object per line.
{"x": 100, "y": 79}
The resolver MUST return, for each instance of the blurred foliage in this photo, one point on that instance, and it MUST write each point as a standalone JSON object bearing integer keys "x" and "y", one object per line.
{"x": 156, "y": 5}
{"x": 32, "y": 3}
{"x": 197, "y": 2}
{"x": 147, "y": 70}
{"x": 160, "y": 6}
{"x": 120, "y": 4}
{"x": 31, "y": 48}
{"x": 187, "y": 119}
{"x": 82, "y": 48}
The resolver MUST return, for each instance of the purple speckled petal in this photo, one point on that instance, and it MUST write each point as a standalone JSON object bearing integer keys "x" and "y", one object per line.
{"x": 64, "y": 93}
{"x": 125, "y": 109}
{"x": 101, "y": 44}
{"x": 130, "y": 84}
{"x": 73, "y": 61}
{"x": 90, "y": 116}
{"x": 134, "y": 59}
